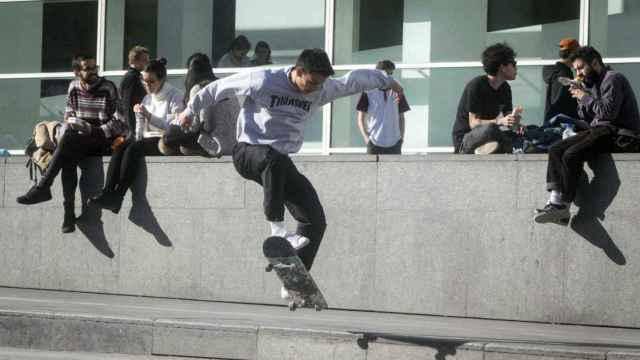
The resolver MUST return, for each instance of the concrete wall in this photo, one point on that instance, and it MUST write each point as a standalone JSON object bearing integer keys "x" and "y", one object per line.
{"x": 436, "y": 234}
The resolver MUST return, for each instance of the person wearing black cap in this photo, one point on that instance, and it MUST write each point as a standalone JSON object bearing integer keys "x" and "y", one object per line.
{"x": 558, "y": 100}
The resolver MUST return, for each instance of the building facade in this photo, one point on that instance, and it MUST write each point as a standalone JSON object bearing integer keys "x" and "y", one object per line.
{"x": 436, "y": 45}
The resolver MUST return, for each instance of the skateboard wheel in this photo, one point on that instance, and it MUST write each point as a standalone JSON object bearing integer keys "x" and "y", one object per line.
{"x": 268, "y": 268}
{"x": 293, "y": 306}
{"x": 318, "y": 308}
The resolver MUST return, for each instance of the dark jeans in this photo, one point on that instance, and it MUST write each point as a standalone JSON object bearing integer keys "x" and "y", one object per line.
{"x": 483, "y": 134}
{"x": 283, "y": 186}
{"x": 379, "y": 150}
{"x": 72, "y": 147}
{"x": 567, "y": 157}
{"x": 126, "y": 162}
{"x": 175, "y": 136}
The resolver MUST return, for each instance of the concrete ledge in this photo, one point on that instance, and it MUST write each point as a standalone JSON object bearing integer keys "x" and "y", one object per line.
{"x": 533, "y": 352}
{"x": 436, "y": 234}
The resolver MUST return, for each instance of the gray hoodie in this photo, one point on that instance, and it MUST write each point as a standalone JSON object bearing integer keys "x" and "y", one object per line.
{"x": 274, "y": 112}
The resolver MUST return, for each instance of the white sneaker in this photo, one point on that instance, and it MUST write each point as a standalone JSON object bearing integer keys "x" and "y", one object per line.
{"x": 284, "y": 294}
{"x": 488, "y": 148}
{"x": 210, "y": 144}
{"x": 297, "y": 241}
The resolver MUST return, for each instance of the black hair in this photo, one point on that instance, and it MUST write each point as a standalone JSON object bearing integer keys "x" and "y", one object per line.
{"x": 496, "y": 55}
{"x": 587, "y": 54}
{"x": 565, "y": 53}
{"x": 315, "y": 61}
{"x": 80, "y": 57}
{"x": 158, "y": 67}
{"x": 263, "y": 44}
{"x": 385, "y": 65}
{"x": 198, "y": 72}
{"x": 240, "y": 43}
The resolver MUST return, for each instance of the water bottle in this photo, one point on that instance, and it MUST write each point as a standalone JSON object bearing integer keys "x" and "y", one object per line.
{"x": 568, "y": 131}
{"x": 4, "y": 153}
{"x": 139, "y": 126}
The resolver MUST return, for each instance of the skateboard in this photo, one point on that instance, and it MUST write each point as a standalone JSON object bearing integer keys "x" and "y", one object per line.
{"x": 291, "y": 271}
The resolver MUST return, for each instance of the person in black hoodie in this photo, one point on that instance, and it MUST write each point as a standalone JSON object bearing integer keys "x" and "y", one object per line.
{"x": 131, "y": 89}
{"x": 559, "y": 100}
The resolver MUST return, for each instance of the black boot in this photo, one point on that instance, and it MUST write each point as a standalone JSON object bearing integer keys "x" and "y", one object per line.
{"x": 35, "y": 195}
{"x": 69, "y": 223}
{"x": 109, "y": 200}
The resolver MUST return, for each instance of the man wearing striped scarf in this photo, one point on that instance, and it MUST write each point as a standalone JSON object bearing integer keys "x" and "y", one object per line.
{"x": 92, "y": 124}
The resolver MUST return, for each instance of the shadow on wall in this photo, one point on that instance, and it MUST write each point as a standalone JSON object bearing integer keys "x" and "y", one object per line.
{"x": 593, "y": 198}
{"x": 90, "y": 221}
{"x": 141, "y": 213}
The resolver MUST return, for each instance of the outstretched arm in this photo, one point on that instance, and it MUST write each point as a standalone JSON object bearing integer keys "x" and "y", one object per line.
{"x": 357, "y": 81}
{"x": 236, "y": 85}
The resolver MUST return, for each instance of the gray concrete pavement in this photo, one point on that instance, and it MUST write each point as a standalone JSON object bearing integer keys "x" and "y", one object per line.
{"x": 67, "y": 321}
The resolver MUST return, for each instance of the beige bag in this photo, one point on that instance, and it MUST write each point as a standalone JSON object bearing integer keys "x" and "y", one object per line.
{"x": 41, "y": 146}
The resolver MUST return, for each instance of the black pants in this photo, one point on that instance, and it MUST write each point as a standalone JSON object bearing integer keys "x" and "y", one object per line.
{"x": 379, "y": 150}
{"x": 567, "y": 157}
{"x": 283, "y": 186}
{"x": 72, "y": 147}
{"x": 483, "y": 134}
{"x": 126, "y": 162}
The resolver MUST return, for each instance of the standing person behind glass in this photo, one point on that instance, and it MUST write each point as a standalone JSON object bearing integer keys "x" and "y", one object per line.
{"x": 261, "y": 54}
{"x": 217, "y": 131}
{"x": 153, "y": 116}
{"x": 92, "y": 125}
{"x": 486, "y": 109}
{"x": 131, "y": 89}
{"x": 384, "y": 131}
{"x": 558, "y": 101}
{"x": 237, "y": 55}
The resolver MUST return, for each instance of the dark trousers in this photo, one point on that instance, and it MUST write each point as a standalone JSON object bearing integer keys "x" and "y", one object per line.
{"x": 567, "y": 157}
{"x": 72, "y": 147}
{"x": 483, "y": 134}
{"x": 379, "y": 150}
{"x": 283, "y": 186}
{"x": 126, "y": 163}
{"x": 175, "y": 136}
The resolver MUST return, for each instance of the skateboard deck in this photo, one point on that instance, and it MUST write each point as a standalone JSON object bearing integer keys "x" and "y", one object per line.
{"x": 291, "y": 271}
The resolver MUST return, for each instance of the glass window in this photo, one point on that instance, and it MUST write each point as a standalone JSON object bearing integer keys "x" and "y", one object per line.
{"x": 612, "y": 27}
{"x": 24, "y": 103}
{"x": 344, "y": 126}
{"x": 418, "y": 31}
{"x": 177, "y": 29}
{"x": 528, "y": 90}
{"x": 48, "y": 34}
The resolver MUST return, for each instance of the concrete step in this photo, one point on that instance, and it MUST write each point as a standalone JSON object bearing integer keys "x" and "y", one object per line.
{"x": 138, "y": 326}
{"x": 26, "y": 354}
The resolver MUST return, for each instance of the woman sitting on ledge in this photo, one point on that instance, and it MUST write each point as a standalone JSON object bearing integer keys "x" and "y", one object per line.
{"x": 153, "y": 116}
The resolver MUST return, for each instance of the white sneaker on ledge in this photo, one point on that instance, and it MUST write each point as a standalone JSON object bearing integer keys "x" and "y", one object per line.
{"x": 297, "y": 241}
{"x": 284, "y": 294}
{"x": 488, "y": 148}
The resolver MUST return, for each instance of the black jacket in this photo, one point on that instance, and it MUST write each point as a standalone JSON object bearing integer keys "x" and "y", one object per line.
{"x": 132, "y": 92}
{"x": 558, "y": 100}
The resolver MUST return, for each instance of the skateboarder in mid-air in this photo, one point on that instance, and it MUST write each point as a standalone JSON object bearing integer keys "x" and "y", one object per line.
{"x": 277, "y": 104}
